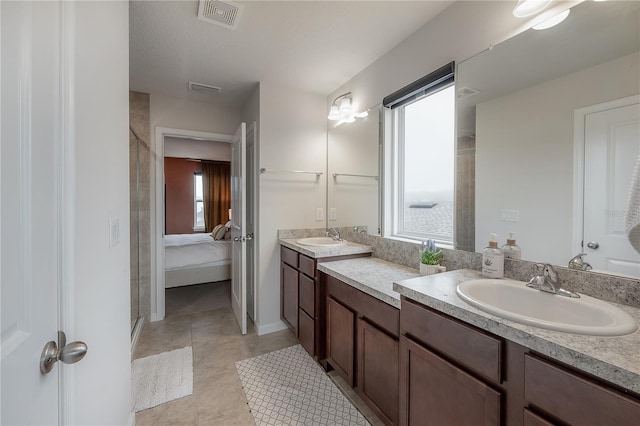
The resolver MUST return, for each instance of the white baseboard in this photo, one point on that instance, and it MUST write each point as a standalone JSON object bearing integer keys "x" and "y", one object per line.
{"x": 155, "y": 317}
{"x": 132, "y": 419}
{"x": 271, "y": 328}
{"x": 137, "y": 329}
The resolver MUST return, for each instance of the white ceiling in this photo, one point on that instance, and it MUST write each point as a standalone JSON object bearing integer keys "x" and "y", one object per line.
{"x": 311, "y": 45}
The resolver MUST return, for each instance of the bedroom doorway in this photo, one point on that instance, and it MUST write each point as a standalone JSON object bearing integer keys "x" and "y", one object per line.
{"x": 188, "y": 149}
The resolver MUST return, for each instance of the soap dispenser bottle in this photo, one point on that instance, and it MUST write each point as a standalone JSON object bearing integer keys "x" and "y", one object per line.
{"x": 511, "y": 250}
{"x": 492, "y": 260}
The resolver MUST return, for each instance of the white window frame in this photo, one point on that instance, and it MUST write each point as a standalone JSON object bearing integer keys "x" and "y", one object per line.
{"x": 395, "y": 119}
{"x": 195, "y": 204}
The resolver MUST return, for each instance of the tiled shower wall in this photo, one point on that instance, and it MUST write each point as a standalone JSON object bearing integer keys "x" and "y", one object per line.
{"x": 139, "y": 190}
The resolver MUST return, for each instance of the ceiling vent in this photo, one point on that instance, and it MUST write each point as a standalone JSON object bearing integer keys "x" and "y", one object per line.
{"x": 204, "y": 88}
{"x": 465, "y": 92}
{"x": 223, "y": 13}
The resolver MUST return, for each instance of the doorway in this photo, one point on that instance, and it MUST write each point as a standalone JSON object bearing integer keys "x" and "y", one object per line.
{"x": 164, "y": 136}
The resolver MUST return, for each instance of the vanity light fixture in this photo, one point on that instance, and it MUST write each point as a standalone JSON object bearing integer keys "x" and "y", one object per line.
{"x": 529, "y": 7}
{"x": 341, "y": 107}
{"x": 553, "y": 21}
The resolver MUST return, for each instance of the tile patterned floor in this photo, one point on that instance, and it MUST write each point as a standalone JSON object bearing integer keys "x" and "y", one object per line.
{"x": 288, "y": 387}
{"x": 201, "y": 316}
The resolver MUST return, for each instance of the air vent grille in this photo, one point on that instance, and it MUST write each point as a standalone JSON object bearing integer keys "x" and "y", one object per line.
{"x": 204, "y": 88}
{"x": 465, "y": 92}
{"x": 223, "y": 13}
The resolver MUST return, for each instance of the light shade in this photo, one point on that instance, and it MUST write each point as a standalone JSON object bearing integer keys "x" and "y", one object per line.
{"x": 554, "y": 20}
{"x": 529, "y": 7}
{"x": 334, "y": 113}
{"x": 345, "y": 106}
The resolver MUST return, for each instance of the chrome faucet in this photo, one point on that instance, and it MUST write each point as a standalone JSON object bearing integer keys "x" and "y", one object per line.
{"x": 334, "y": 233}
{"x": 549, "y": 282}
{"x": 577, "y": 262}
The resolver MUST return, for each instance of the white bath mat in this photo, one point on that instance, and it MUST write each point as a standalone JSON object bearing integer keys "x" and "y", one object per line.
{"x": 160, "y": 378}
{"x": 287, "y": 387}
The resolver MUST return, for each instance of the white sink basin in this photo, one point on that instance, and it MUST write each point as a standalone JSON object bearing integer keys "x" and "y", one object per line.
{"x": 320, "y": 242}
{"x": 515, "y": 301}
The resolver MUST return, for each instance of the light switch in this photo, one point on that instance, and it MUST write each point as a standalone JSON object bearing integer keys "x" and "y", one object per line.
{"x": 332, "y": 213}
{"x": 114, "y": 232}
{"x": 319, "y": 214}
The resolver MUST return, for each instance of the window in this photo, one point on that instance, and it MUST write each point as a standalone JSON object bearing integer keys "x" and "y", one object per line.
{"x": 423, "y": 154}
{"x": 198, "y": 203}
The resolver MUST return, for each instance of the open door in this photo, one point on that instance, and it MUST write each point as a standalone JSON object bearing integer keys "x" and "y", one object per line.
{"x": 238, "y": 225}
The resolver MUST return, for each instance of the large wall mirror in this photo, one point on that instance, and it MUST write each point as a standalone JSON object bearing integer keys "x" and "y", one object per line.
{"x": 553, "y": 115}
{"x": 353, "y": 183}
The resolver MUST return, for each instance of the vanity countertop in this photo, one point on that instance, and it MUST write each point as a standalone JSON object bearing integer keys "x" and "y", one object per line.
{"x": 370, "y": 275}
{"x": 321, "y": 252}
{"x": 614, "y": 359}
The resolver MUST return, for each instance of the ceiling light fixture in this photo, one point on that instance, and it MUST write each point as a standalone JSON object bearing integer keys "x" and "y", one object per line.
{"x": 553, "y": 21}
{"x": 529, "y": 7}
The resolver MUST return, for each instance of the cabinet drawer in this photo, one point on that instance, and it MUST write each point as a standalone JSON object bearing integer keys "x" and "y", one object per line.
{"x": 289, "y": 256}
{"x": 479, "y": 351}
{"x": 307, "y": 265}
{"x": 307, "y": 294}
{"x": 532, "y": 419}
{"x": 383, "y": 315}
{"x": 581, "y": 400}
{"x": 306, "y": 327}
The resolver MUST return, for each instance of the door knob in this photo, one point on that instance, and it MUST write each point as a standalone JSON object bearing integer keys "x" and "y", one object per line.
{"x": 69, "y": 354}
{"x": 237, "y": 239}
{"x": 593, "y": 245}
{"x": 249, "y": 237}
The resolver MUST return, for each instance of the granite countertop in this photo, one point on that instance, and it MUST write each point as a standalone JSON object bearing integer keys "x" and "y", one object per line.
{"x": 371, "y": 275}
{"x": 320, "y": 252}
{"x": 614, "y": 359}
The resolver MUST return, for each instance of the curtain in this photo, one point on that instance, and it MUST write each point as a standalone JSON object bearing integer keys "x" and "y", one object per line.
{"x": 216, "y": 184}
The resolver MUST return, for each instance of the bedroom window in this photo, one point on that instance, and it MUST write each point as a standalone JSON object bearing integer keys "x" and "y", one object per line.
{"x": 423, "y": 143}
{"x": 198, "y": 203}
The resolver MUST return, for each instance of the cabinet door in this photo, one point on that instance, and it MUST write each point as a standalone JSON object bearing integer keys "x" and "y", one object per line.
{"x": 378, "y": 371}
{"x": 340, "y": 339}
{"x": 306, "y": 332}
{"x": 289, "y": 296}
{"x": 435, "y": 392}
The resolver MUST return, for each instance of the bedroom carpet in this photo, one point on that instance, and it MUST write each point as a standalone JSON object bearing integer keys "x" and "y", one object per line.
{"x": 160, "y": 378}
{"x": 287, "y": 387}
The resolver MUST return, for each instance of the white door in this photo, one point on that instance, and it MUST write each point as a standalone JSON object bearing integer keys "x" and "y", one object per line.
{"x": 238, "y": 221}
{"x": 30, "y": 265}
{"x": 250, "y": 219}
{"x": 612, "y": 144}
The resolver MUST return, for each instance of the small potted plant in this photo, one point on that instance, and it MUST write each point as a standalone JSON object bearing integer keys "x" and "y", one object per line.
{"x": 430, "y": 257}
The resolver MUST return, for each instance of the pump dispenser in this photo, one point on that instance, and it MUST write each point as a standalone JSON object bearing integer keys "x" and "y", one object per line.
{"x": 492, "y": 260}
{"x": 511, "y": 250}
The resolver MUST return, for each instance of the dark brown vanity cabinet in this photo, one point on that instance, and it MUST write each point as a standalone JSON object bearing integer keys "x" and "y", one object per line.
{"x": 302, "y": 298}
{"x": 362, "y": 345}
{"x": 455, "y": 374}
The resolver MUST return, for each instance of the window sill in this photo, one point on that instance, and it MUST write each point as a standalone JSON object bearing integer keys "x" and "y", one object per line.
{"x": 418, "y": 240}
{"x": 199, "y": 229}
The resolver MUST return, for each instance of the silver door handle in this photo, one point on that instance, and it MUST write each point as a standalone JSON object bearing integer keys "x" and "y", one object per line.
{"x": 69, "y": 354}
{"x": 237, "y": 239}
{"x": 249, "y": 237}
{"x": 593, "y": 245}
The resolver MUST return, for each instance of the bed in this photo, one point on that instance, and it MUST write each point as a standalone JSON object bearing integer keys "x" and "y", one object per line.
{"x": 195, "y": 259}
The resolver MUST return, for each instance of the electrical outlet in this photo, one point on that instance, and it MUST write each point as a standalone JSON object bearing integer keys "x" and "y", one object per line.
{"x": 332, "y": 213}
{"x": 114, "y": 232}
{"x": 510, "y": 215}
{"x": 319, "y": 214}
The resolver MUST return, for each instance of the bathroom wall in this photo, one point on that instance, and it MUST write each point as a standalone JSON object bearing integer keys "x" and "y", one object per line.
{"x": 543, "y": 171}
{"x": 463, "y": 29}
{"x": 139, "y": 192}
{"x": 292, "y": 136}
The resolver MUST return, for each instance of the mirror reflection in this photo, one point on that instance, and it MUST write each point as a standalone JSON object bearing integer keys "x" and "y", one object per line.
{"x": 353, "y": 183}
{"x": 553, "y": 118}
